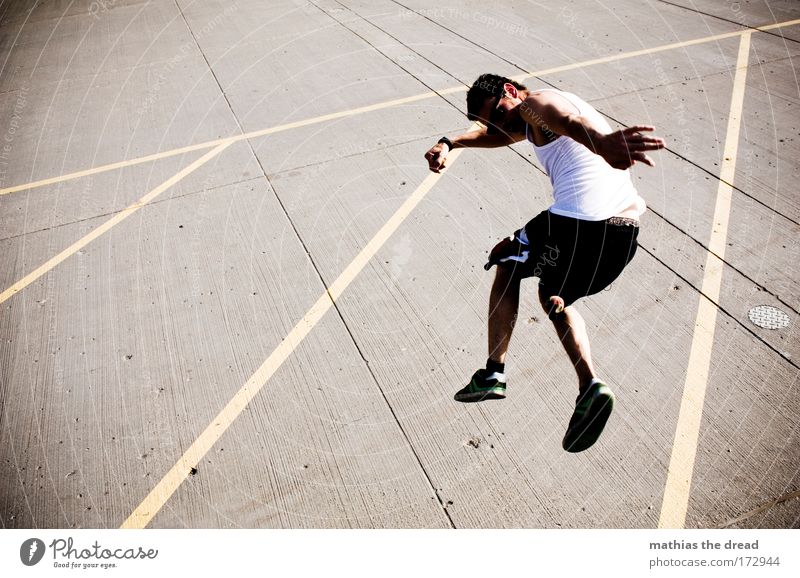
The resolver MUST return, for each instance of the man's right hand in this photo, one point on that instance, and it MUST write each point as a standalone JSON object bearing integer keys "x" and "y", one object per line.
{"x": 436, "y": 157}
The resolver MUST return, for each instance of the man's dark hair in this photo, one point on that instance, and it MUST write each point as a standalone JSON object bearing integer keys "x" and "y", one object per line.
{"x": 487, "y": 86}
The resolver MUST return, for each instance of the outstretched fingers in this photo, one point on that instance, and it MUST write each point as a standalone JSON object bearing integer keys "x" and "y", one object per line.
{"x": 639, "y": 128}
{"x": 646, "y": 145}
{"x": 643, "y": 158}
{"x": 635, "y": 141}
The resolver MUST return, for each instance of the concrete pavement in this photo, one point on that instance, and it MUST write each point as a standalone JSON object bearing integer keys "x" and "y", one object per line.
{"x": 177, "y": 370}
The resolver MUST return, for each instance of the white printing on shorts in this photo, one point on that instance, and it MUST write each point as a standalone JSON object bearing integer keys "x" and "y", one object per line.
{"x": 585, "y": 186}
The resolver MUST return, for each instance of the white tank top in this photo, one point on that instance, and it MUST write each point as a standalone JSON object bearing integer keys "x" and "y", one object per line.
{"x": 585, "y": 186}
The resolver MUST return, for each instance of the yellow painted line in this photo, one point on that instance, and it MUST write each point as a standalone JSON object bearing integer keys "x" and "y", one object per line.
{"x": 111, "y": 167}
{"x": 778, "y": 25}
{"x": 209, "y": 144}
{"x": 646, "y": 51}
{"x": 661, "y": 48}
{"x": 681, "y": 464}
{"x": 379, "y": 106}
{"x": 159, "y": 495}
{"x": 233, "y": 139}
{"x": 115, "y": 220}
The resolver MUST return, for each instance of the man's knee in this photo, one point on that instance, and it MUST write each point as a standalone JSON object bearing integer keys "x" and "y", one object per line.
{"x": 553, "y": 305}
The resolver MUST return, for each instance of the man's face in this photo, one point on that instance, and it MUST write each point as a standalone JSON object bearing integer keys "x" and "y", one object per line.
{"x": 501, "y": 114}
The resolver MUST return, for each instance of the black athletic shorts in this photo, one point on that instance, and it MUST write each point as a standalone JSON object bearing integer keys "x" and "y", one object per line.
{"x": 572, "y": 258}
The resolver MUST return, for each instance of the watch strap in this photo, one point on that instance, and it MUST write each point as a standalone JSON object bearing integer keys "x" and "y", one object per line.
{"x": 446, "y": 141}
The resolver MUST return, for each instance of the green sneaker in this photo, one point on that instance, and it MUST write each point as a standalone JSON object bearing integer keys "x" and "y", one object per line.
{"x": 592, "y": 410}
{"x": 483, "y": 387}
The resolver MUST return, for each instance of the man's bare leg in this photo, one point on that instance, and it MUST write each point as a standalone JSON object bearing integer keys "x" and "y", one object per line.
{"x": 503, "y": 307}
{"x": 490, "y": 383}
{"x": 571, "y": 330}
{"x": 595, "y": 399}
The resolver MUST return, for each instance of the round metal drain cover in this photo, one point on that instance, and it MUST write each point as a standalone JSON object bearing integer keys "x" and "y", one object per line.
{"x": 768, "y": 317}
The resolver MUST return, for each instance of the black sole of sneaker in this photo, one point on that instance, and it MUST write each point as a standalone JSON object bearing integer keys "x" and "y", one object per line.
{"x": 587, "y": 431}
{"x": 479, "y": 396}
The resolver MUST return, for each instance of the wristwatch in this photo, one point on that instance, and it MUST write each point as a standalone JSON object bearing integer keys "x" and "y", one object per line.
{"x": 446, "y": 141}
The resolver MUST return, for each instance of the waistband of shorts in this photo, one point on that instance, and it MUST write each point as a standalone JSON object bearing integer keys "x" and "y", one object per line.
{"x": 622, "y": 222}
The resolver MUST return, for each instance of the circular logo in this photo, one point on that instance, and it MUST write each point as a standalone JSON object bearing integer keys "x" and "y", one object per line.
{"x": 31, "y": 551}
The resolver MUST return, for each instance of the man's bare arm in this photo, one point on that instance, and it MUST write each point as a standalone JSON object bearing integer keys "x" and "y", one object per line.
{"x": 551, "y": 112}
{"x": 437, "y": 155}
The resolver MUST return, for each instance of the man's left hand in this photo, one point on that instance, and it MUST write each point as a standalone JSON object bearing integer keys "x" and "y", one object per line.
{"x": 623, "y": 148}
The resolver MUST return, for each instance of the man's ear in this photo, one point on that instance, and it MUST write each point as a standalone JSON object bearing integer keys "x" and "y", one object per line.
{"x": 511, "y": 90}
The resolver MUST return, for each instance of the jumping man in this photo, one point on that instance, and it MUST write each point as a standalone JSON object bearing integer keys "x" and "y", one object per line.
{"x": 577, "y": 247}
